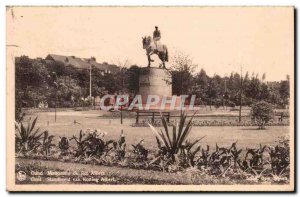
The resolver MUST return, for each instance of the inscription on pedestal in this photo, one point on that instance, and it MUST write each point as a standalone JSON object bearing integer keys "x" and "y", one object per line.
{"x": 155, "y": 81}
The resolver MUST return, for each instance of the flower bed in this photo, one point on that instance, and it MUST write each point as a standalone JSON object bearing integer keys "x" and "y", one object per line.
{"x": 174, "y": 153}
{"x": 203, "y": 123}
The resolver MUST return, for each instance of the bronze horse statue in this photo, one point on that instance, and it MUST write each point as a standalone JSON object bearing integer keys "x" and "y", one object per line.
{"x": 152, "y": 47}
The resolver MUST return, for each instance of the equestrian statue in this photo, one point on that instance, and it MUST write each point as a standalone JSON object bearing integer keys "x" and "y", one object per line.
{"x": 153, "y": 46}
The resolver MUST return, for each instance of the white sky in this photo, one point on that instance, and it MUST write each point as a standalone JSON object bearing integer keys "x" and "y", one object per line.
{"x": 219, "y": 40}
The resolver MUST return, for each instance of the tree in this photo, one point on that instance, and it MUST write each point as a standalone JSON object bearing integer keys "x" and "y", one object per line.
{"x": 30, "y": 81}
{"x": 262, "y": 112}
{"x": 284, "y": 91}
{"x": 133, "y": 74}
{"x": 69, "y": 93}
{"x": 263, "y": 78}
{"x": 182, "y": 74}
{"x": 200, "y": 86}
{"x": 58, "y": 67}
{"x": 234, "y": 87}
{"x": 98, "y": 82}
{"x": 252, "y": 88}
{"x": 246, "y": 84}
{"x": 121, "y": 76}
{"x": 214, "y": 91}
{"x": 264, "y": 92}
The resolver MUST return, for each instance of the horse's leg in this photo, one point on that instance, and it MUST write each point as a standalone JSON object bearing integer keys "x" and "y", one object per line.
{"x": 150, "y": 56}
{"x": 162, "y": 58}
{"x": 149, "y": 60}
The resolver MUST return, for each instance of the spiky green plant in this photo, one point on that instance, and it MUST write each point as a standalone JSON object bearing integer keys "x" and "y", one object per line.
{"x": 27, "y": 138}
{"x": 171, "y": 142}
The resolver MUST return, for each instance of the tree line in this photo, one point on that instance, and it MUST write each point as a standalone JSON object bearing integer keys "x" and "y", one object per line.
{"x": 67, "y": 86}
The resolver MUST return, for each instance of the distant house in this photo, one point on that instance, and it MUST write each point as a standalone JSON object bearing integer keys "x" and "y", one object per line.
{"x": 83, "y": 63}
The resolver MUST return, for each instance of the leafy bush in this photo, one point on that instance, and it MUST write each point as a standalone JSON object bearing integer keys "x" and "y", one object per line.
{"x": 63, "y": 144}
{"x": 47, "y": 142}
{"x": 92, "y": 143}
{"x": 230, "y": 104}
{"x": 218, "y": 103}
{"x": 140, "y": 152}
{"x": 280, "y": 157}
{"x": 187, "y": 155}
{"x": 96, "y": 143}
{"x": 262, "y": 112}
{"x": 220, "y": 160}
{"x": 80, "y": 141}
{"x": 120, "y": 147}
{"x": 254, "y": 158}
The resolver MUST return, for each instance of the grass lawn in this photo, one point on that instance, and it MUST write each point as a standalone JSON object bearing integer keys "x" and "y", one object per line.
{"x": 118, "y": 175}
{"x": 247, "y": 137}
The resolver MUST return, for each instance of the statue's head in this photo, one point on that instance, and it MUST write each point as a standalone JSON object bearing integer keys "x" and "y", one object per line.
{"x": 156, "y": 27}
{"x": 146, "y": 41}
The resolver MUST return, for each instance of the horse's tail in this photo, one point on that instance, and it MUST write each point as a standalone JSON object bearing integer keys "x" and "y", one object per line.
{"x": 167, "y": 55}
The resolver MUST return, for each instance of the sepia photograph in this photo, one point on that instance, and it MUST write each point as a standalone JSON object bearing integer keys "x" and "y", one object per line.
{"x": 163, "y": 99}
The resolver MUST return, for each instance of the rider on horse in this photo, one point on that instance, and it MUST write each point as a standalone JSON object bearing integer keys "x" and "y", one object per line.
{"x": 153, "y": 46}
{"x": 156, "y": 36}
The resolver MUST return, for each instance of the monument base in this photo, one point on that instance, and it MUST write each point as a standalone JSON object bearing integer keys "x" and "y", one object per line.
{"x": 156, "y": 82}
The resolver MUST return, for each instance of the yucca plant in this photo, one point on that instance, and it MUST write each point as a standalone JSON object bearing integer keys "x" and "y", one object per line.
{"x": 170, "y": 143}
{"x": 27, "y": 138}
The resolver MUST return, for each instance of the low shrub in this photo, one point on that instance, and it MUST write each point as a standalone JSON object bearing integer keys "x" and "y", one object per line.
{"x": 262, "y": 113}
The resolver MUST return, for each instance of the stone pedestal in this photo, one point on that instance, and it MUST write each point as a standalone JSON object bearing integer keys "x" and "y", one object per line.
{"x": 156, "y": 81}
